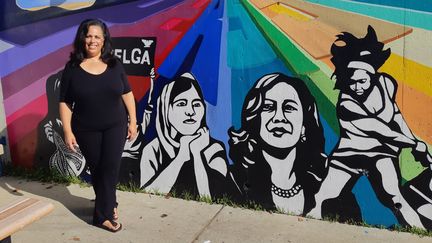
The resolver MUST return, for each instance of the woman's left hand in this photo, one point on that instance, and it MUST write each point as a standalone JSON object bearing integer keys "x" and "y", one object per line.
{"x": 132, "y": 131}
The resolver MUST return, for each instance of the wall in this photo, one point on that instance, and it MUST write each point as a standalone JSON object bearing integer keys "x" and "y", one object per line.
{"x": 234, "y": 123}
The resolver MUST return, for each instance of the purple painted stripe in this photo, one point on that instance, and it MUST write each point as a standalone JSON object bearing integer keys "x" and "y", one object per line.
{"x": 22, "y": 56}
{"x": 26, "y": 95}
{"x": 29, "y": 73}
{"x": 4, "y": 46}
{"x": 145, "y": 5}
{"x": 17, "y": 57}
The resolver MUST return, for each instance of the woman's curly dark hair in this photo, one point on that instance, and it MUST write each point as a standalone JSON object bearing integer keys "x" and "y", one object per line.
{"x": 79, "y": 53}
{"x": 349, "y": 48}
{"x": 246, "y": 145}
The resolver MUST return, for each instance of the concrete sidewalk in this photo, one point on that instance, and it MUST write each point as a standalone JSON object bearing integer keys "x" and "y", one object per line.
{"x": 149, "y": 218}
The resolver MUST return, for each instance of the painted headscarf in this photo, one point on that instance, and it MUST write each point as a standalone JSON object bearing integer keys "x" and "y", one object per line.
{"x": 163, "y": 126}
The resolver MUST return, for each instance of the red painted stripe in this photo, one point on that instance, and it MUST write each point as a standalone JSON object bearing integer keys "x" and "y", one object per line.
{"x": 139, "y": 85}
{"x": 200, "y": 3}
{"x": 22, "y": 131}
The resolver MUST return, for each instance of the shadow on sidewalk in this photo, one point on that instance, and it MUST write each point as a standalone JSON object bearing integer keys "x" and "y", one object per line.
{"x": 81, "y": 207}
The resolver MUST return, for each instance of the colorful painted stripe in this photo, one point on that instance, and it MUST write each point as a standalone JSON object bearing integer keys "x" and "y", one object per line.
{"x": 284, "y": 9}
{"x": 52, "y": 62}
{"x": 420, "y": 5}
{"x": 61, "y": 31}
{"x": 401, "y": 16}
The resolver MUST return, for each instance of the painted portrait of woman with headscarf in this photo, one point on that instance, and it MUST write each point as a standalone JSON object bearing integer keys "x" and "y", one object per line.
{"x": 183, "y": 156}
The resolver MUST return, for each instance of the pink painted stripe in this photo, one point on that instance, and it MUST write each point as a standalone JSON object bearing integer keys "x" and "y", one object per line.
{"x": 26, "y": 119}
{"x": 26, "y": 95}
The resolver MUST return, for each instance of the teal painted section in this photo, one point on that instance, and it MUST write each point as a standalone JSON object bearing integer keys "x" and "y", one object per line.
{"x": 249, "y": 56}
{"x": 422, "y": 5}
{"x": 401, "y": 16}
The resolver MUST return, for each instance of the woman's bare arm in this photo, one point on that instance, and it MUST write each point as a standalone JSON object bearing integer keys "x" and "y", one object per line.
{"x": 129, "y": 102}
{"x": 66, "y": 117}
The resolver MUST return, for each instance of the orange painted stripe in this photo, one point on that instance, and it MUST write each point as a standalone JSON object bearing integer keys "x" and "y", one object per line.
{"x": 416, "y": 108}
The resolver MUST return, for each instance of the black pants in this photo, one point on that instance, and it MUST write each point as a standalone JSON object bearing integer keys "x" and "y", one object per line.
{"x": 102, "y": 151}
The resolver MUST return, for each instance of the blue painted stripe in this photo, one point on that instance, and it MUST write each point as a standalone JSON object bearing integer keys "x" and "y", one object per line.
{"x": 372, "y": 210}
{"x": 219, "y": 116}
{"x": 396, "y": 15}
{"x": 205, "y": 65}
{"x": 331, "y": 138}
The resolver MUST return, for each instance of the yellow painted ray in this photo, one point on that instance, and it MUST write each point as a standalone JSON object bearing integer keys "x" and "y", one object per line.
{"x": 292, "y": 12}
{"x": 411, "y": 73}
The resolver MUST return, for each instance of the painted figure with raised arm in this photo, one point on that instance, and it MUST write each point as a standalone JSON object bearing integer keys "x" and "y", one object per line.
{"x": 372, "y": 129}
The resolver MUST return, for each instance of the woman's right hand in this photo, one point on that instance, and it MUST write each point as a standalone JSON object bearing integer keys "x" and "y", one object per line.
{"x": 421, "y": 154}
{"x": 185, "y": 151}
{"x": 70, "y": 141}
{"x": 420, "y": 146}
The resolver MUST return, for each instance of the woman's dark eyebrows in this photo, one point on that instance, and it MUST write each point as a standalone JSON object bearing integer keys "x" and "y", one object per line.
{"x": 284, "y": 102}
{"x": 267, "y": 99}
{"x": 197, "y": 99}
{"x": 289, "y": 101}
{"x": 174, "y": 101}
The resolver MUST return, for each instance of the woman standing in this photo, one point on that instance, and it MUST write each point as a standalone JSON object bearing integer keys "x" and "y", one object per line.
{"x": 95, "y": 102}
{"x": 278, "y": 152}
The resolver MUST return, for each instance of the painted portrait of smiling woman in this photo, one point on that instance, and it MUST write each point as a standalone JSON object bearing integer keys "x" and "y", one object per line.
{"x": 281, "y": 164}
{"x": 184, "y": 157}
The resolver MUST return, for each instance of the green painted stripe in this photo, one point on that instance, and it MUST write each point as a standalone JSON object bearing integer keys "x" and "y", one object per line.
{"x": 326, "y": 85}
{"x": 292, "y": 57}
{"x": 320, "y": 85}
{"x": 325, "y": 107}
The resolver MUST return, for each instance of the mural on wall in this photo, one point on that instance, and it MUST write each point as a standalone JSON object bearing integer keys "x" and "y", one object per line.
{"x": 51, "y": 150}
{"x": 32, "y": 5}
{"x": 278, "y": 152}
{"x": 276, "y": 102}
{"x": 372, "y": 129}
{"x": 184, "y": 157}
{"x": 22, "y": 12}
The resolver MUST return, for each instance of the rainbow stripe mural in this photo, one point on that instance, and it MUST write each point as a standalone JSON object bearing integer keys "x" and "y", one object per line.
{"x": 228, "y": 45}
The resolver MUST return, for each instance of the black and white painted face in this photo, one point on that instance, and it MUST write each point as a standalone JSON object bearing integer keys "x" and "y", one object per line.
{"x": 186, "y": 112}
{"x": 281, "y": 117}
{"x": 361, "y": 81}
